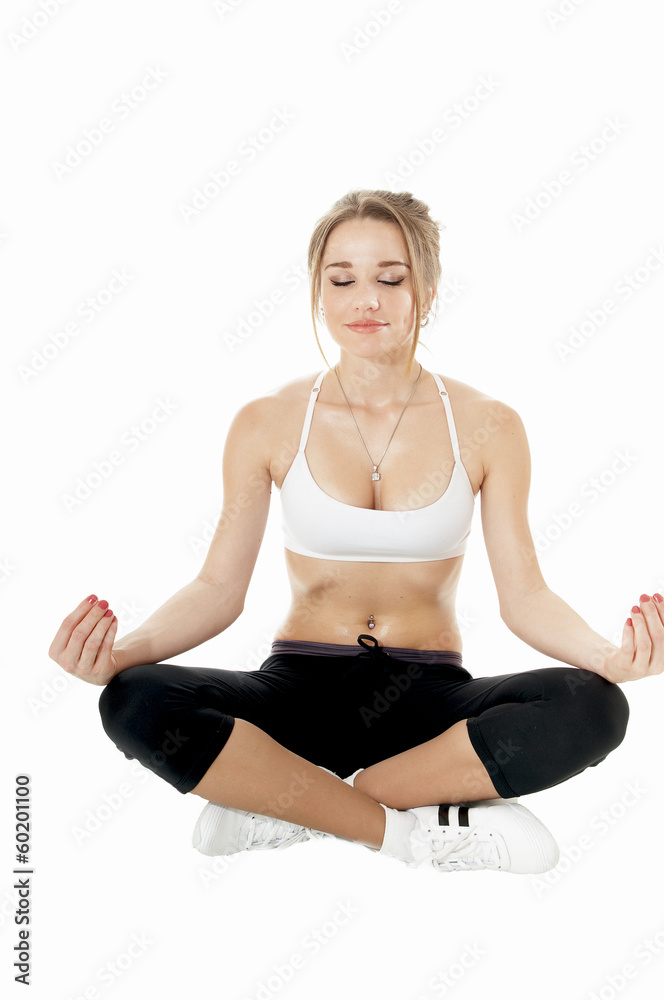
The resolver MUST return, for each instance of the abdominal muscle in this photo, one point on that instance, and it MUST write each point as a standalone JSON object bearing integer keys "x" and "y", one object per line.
{"x": 413, "y": 604}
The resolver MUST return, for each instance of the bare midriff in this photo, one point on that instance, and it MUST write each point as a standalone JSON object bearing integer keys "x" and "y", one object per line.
{"x": 412, "y": 603}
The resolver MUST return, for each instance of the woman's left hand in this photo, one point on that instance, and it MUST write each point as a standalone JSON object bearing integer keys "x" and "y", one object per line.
{"x": 642, "y": 650}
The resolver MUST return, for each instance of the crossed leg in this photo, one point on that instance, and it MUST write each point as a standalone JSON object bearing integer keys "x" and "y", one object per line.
{"x": 563, "y": 720}
{"x": 255, "y": 773}
{"x": 444, "y": 769}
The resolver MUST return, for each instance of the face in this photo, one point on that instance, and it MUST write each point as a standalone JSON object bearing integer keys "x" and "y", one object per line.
{"x": 363, "y": 286}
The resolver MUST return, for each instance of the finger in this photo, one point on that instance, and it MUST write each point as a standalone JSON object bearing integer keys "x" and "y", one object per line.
{"x": 628, "y": 644}
{"x": 627, "y": 651}
{"x": 63, "y": 635}
{"x": 92, "y": 644}
{"x": 103, "y": 661}
{"x": 99, "y": 647}
{"x": 656, "y": 632}
{"x": 658, "y": 601}
{"x": 75, "y": 649}
{"x": 642, "y": 642}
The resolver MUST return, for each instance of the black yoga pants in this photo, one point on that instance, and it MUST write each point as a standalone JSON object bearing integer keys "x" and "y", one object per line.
{"x": 345, "y": 707}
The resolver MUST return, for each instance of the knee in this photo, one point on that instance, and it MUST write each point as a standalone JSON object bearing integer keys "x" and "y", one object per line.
{"x": 125, "y": 698}
{"x": 603, "y": 705}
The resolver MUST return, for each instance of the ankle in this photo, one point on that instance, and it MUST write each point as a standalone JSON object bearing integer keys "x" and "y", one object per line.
{"x": 399, "y": 824}
{"x": 375, "y": 840}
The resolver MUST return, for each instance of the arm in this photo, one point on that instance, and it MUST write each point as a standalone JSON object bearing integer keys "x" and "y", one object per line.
{"x": 196, "y": 613}
{"x": 528, "y": 607}
{"x": 549, "y": 625}
{"x": 84, "y": 644}
{"x": 215, "y": 599}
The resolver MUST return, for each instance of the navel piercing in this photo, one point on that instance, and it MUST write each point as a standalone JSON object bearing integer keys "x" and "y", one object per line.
{"x": 370, "y": 622}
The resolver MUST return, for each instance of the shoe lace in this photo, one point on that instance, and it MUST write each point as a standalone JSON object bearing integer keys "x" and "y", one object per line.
{"x": 475, "y": 848}
{"x": 261, "y": 832}
{"x": 318, "y": 834}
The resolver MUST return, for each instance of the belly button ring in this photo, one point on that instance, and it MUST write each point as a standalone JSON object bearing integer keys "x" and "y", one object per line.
{"x": 370, "y": 622}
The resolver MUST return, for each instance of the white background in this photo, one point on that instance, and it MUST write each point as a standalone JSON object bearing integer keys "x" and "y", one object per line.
{"x": 364, "y": 98}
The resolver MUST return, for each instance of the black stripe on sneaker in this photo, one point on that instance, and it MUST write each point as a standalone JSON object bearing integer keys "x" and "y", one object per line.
{"x": 463, "y": 816}
{"x": 443, "y": 815}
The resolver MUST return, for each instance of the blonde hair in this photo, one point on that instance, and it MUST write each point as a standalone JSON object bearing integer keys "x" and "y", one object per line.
{"x": 420, "y": 233}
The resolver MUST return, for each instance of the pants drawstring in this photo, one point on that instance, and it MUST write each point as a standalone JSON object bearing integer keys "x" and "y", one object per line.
{"x": 375, "y": 649}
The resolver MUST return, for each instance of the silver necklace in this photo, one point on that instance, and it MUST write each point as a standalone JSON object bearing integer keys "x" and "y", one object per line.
{"x": 375, "y": 475}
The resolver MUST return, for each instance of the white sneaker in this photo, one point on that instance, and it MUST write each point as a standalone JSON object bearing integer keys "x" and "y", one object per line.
{"x": 499, "y": 835}
{"x": 222, "y": 830}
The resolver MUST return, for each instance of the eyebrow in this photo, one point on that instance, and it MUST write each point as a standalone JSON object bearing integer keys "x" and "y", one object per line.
{"x": 381, "y": 263}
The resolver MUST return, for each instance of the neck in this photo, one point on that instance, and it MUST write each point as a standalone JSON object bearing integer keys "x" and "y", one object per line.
{"x": 375, "y": 383}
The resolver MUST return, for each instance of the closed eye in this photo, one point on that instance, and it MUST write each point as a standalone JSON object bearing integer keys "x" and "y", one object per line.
{"x": 342, "y": 284}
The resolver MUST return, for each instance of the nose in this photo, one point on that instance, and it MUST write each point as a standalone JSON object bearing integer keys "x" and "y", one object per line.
{"x": 365, "y": 299}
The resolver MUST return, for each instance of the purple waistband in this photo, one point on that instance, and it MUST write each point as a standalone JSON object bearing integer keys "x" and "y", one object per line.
{"x": 450, "y": 656}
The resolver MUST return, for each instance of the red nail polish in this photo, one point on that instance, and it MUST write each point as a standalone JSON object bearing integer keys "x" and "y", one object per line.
{"x": 91, "y": 599}
{"x": 644, "y": 598}
{"x": 103, "y": 605}
{"x": 658, "y": 598}
{"x": 629, "y": 621}
{"x": 636, "y": 610}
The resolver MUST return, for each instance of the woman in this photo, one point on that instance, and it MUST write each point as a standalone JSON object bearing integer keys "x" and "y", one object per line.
{"x": 362, "y": 722}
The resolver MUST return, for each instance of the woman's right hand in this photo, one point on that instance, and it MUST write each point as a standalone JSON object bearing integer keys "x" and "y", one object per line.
{"x": 84, "y": 642}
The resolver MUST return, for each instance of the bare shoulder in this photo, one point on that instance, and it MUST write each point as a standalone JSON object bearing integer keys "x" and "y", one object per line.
{"x": 271, "y": 423}
{"x": 477, "y": 404}
{"x": 276, "y": 402}
{"x": 295, "y": 389}
{"x": 488, "y": 428}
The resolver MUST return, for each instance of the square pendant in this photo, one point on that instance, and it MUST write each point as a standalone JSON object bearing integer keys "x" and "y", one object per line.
{"x": 375, "y": 475}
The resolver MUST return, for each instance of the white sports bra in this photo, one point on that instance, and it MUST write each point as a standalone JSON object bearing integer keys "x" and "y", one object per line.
{"x": 315, "y": 524}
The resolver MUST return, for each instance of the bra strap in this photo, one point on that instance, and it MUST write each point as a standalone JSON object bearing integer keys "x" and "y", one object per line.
{"x": 450, "y": 418}
{"x": 310, "y": 410}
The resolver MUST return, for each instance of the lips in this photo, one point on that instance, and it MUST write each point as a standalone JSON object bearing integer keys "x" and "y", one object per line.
{"x": 367, "y": 327}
